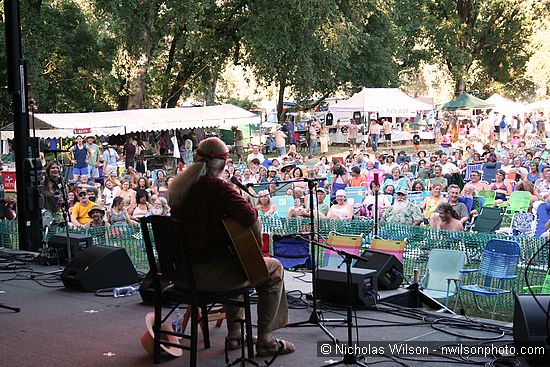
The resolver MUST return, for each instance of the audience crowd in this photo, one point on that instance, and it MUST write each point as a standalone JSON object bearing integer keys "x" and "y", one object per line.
{"x": 109, "y": 185}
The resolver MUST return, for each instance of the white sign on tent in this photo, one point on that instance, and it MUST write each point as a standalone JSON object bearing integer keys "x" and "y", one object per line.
{"x": 387, "y": 102}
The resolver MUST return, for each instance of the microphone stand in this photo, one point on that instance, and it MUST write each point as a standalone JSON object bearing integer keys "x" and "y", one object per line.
{"x": 347, "y": 258}
{"x": 315, "y": 319}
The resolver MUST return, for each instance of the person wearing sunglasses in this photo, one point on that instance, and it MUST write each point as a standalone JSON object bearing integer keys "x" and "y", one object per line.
{"x": 80, "y": 213}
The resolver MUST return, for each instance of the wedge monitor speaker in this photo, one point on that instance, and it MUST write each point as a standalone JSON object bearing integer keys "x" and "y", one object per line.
{"x": 389, "y": 268}
{"x": 99, "y": 267}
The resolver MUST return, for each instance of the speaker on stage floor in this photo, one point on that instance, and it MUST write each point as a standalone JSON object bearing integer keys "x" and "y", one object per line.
{"x": 531, "y": 327}
{"x": 332, "y": 285}
{"x": 99, "y": 267}
{"x": 389, "y": 268}
{"x": 77, "y": 243}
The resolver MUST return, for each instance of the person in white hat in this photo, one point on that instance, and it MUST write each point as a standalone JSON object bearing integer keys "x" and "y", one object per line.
{"x": 342, "y": 209}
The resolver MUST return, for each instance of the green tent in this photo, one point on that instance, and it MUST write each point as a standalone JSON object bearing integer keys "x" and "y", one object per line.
{"x": 466, "y": 102}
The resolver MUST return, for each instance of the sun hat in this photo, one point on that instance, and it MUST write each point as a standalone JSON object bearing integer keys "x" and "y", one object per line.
{"x": 96, "y": 208}
{"x": 148, "y": 342}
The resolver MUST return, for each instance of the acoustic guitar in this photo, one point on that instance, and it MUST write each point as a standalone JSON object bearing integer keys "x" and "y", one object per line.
{"x": 248, "y": 251}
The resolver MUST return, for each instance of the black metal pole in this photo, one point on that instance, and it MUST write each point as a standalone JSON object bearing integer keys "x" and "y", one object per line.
{"x": 17, "y": 87}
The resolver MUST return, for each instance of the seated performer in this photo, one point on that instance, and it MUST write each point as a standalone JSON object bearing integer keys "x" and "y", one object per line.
{"x": 200, "y": 199}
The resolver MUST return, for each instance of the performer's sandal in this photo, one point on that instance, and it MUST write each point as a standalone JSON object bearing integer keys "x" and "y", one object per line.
{"x": 234, "y": 343}
{"x": 276, "y": 346}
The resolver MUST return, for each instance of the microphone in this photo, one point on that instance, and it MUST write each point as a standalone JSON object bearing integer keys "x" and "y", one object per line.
{"x": 234, "y": 180}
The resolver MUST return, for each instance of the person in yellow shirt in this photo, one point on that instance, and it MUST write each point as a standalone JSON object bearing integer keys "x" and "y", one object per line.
{"x": 80, "y": 214}
{"x": 356, "y": 177}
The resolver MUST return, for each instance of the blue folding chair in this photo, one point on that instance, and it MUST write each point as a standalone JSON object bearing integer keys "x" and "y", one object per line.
{"x": 356, "y": 195}
{"x": 283, "y": 203}
{"x": 498, "y": 266}
{"x": 543, "y": 216}
{"x": 442, "y": 273}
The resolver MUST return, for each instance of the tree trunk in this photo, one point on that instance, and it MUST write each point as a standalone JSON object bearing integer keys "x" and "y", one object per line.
{"x": 460, "y": 86}
{"x": 210, "y": 95}
{"x": 280, "y": 100}
{"x": 171, "y": 100}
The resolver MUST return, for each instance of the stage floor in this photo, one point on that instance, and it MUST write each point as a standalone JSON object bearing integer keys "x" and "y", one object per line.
{"x": 60, "y": 327}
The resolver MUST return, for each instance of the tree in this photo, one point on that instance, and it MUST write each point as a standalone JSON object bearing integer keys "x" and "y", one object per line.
{"x": 68, "y": 61}
{"x": 482, "y": 41}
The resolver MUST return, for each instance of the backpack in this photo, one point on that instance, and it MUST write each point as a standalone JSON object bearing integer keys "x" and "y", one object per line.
{"x": 502, "y": 124}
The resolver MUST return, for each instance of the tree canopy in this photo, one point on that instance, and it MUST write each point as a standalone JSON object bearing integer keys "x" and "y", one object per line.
{"x": 114, "y": 54}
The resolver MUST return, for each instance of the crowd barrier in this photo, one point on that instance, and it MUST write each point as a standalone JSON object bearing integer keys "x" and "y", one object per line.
{"x": 419, "y": 242}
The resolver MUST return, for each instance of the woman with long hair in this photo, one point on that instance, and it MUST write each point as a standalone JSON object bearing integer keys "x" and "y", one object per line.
{"x": 118, "y": 215}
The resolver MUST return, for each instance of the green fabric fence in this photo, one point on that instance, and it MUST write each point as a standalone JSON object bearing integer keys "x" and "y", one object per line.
{"x": 420, "y": 240}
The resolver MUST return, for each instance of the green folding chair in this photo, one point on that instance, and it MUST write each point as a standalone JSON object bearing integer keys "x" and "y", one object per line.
{"x": 518, "y": 202}
{"x": 489, "y": 196}
{"x": 442, "y": 273}
{"x": 544, "y": 288}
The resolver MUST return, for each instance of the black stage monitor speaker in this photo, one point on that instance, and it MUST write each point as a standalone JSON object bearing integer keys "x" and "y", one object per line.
{"x": 99, "y": 267}
{"x": 332, "y": 283}
{"x": 389, "y": 268}
{"x": 531, "y": 327}
{"x": 78, "y": 243}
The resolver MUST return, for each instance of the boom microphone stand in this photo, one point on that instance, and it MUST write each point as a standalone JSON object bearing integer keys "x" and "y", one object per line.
{"x": 315, "y": 319}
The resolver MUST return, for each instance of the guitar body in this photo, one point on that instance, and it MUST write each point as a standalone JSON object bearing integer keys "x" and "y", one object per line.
{"x": 248, "y": 251}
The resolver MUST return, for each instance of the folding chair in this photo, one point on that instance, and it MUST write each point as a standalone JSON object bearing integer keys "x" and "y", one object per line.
{"x": 498, "y": 265}
{"x": 489, "y": 196}
{"x": 544, "y": 288}
{"x": 283, "y": 203}
{"x": 348, "y": 243}
{"x": 543, "y": 216}
{"x": 372, "y": 173}
{"x": 169, "y": 259}
{"x": 518, "y": 202}
{"x": 490, "y": 170}
{"x": 470, "y": 168}
{"x": 442, "y": 273}
{"x": 392, "y": 247}
{"x": 489, "y": 220}
{"x": 355, "y": 195}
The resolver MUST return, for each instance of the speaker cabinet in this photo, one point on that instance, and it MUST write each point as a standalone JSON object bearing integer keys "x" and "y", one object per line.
{"x": 389, "y": 268}
{"x": 99, "y": 267}
{"x": 332, "y": 284}
{"x": 77, "y": 243}
{"x": 531, "y": 326}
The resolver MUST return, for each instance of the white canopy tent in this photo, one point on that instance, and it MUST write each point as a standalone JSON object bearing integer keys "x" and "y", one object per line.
{"x": 387, "y": 102}
{"x": 543, "y": 104}
{"x": 504, "y": 105}
{"x": 61, "y": 125}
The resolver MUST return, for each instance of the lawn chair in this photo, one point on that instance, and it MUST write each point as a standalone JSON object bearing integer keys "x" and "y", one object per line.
{"x": 489, "y": 196}
{"x": 518, "y": 202}
{"x": 348, "y": 243}
{"x": 543, "y": 216}
{"x": 469, "y": 202}
{"x": 540, "y": 289}
{"x": 283, "y": 203}
{"x": 391, "y": 247}
{"x": 523, "y": 224}
{"x": 470, "y": 168}
{"x": 372, "y": 172}
{"x": 356, "y": 195}
{"x": 488, "y": 221}
{"x": 498, "y": 266}
{"x": 443, "y": 273}
{"x": 490, "y": 170}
